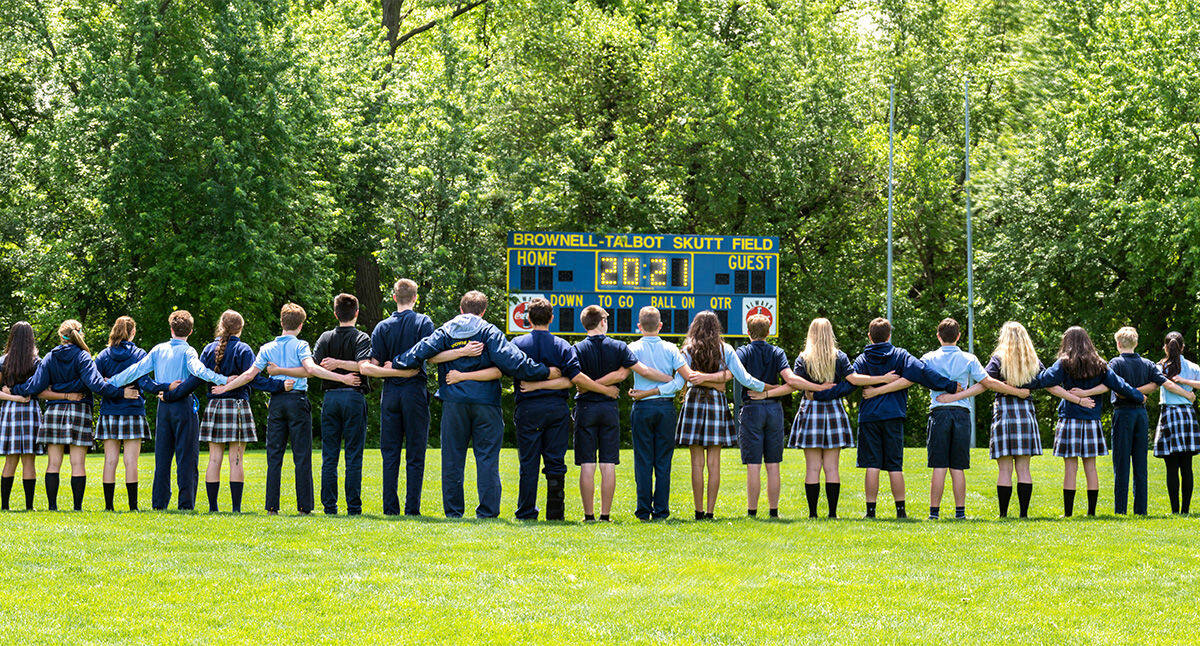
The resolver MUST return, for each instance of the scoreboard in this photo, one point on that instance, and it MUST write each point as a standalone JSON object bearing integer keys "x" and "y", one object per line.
{"x": 681, "y": 275}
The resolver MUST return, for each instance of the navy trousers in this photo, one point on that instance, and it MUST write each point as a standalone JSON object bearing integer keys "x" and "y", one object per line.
{"x": 653, "y": 422}
{"x": 289, "y": 417}
{"x": 403, "y": 429}
{"x": 176, "y": 434}
{"x": 343, "y": 421}
{"x": 481, "y": 426}
{"x": 543, "y": 426}
{"x": 1131, "y": 427}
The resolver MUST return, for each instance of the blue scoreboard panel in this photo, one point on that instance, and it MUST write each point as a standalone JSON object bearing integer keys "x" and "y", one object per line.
{"x": 734, "y": 276}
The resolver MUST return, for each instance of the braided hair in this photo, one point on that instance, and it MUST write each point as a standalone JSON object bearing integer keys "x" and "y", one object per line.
{"x": 230, "y": 325}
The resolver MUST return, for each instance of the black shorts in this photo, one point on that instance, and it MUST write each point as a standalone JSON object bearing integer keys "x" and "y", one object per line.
{"x": 949, "y": 444}
{"x": 597, "y": 433}
{"x": 760, "y": 432}
{"x": 881, "y": 444}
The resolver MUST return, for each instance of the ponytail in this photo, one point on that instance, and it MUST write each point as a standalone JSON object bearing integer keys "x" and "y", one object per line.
{"x": 1173, "y": 363}
{"x": 122, "y": 330}
{"x": 71, "y": 331}
{"x": 231, "y": 323}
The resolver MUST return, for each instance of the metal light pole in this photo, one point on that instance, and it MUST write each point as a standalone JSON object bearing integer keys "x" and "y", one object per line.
{"x": 891, "y": 186}
{"x": 970, "y": 246}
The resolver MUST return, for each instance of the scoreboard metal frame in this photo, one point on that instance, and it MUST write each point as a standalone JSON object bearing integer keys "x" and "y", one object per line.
{"x": 680, "y": 274}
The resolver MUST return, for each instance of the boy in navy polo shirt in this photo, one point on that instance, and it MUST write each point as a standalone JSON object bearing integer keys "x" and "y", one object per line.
{"x": 760, "y": 421}
{"x": 289, "y": 415}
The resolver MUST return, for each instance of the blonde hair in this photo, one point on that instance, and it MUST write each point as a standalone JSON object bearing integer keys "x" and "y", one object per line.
{"x": 71, "y": 331}
{"x": 1126, "y": 337}
{"x": 1018, "y": 359}
{"x": 820, "y": 351}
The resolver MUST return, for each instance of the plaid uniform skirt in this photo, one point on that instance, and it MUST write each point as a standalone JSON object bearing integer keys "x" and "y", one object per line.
{"x": 1014, "y": 428}
{"x": 1178, "y": 431}
{"x": 228, "y": 420}
{"x": 19, "y": 426}
{"x": 1079, "y": 438}
{"x": 69, "y": 423}
{"x": 122, "y": 427}
{"x": 705, "y": 419}
{"x": 821, "y": 425}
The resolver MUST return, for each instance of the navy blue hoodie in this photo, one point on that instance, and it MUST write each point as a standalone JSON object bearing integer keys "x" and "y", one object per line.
{"x": 113, "y": 360}
{"x": 497, "y": 351}
{"x": 67, "y": 369}
{"x": 881, "y": 358}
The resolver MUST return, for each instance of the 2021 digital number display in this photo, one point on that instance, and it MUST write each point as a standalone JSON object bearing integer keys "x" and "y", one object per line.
{"x": 618, "y": 272}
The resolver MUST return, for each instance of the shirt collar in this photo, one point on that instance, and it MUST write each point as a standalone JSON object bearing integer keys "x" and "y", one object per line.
{"x": 284, "y": 337}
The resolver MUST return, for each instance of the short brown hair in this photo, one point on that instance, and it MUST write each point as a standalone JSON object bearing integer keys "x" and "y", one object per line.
{"x": 539, "y": 311}
{"x": 591, "y": 316}
{"x": 758, "y": 326}
{"x": 948, "y": 330}
{"x": 649, "y": 319}
{"x": 404, "y": 292}
{"x": 345, "y": 307}
{"x": 880, "y": 330}
{"x": 473, "y": 302}
{"x": 292, "y": 316}
{"x": 181, "y": 323}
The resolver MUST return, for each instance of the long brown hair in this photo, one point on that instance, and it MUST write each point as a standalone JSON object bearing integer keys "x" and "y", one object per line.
{"x": 20, "y": 354}
{"x": 71, "y": 331}
{"x": 123, "y": 329}
{"x": 1172, "y": 364}
{"x": 704, "y": 343}
{"x": 231, "y": 324}
{"x": 1079, "y": 356}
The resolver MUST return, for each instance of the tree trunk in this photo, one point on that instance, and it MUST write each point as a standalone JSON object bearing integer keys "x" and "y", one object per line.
{"x": 366, "y": 287}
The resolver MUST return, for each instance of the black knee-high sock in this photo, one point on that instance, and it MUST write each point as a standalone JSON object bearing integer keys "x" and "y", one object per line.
{"x": 811, "y": 493}
{"x": 131, "y": 491}
{"x": 235, "y": 492}
{"x": 6, "y": 483}
{"x": 832, "y": 491}
{"x": 1068, "y": 501}
{"x": 78, "y": 486}
{"x": 30, "y": 485}
{"x": 1093, "y": 496}
{"x": 1172, "y": 462}
{"x": 214, "y": 490}
{"x": 52, "y": 491}
{"x": 1185, "y": 484}
{"x": 900, "y": 511}
{"x": 1024, "y": 493}
{"x": 1004, "y": 495}
{"x": 110, "y": 489}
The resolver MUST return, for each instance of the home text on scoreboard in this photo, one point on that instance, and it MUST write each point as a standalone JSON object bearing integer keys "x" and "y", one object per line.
{"x": 681, "y": 275}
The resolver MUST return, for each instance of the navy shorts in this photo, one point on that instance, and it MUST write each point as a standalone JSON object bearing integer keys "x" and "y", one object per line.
{"x": 760, "y": 432}
{"x": 597, "y": 433}
{"x": 949, "y": 444}
{"x": 881, "y": 444}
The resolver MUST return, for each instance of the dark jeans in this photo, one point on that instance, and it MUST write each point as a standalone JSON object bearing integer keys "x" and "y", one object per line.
{"x": 653, "y": 428}
{"x": 403, "y": 429}
{"x": 289, "y": 416}
{"x": 1131, "y": 426}
{"x": 343, "y": 420}
{"x": 543, "y": 426}
{"x": 176, "y": 433}
{"x": 482, "y": 426}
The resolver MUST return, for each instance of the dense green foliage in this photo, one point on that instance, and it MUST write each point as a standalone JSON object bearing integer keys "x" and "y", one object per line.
{"x": 157, "y": 154}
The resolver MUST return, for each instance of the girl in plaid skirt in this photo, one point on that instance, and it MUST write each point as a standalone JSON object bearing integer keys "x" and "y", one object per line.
{"x": 705, "y": 422}
{"x": 122, "y": 423}
{"x": 1178, "y": 436}
{"x": 1079, "y": 434}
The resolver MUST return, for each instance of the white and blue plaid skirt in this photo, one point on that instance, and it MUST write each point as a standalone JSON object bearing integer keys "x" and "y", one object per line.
{"x": 19, "y": 422}
{"x": 122, "y": 427}
{"x": 1014, "y": 428}
{"x": 821, "y": 425}
{"x": 69, "y": 423}
{"x": 228, "y": 420}
{"x": 1079, "y": 438}
{"x": 1178, "y": 431}
{"x": 705, "y": 419}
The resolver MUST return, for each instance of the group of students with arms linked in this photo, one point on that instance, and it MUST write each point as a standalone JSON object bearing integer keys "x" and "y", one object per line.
{"x": 472, "y": 356}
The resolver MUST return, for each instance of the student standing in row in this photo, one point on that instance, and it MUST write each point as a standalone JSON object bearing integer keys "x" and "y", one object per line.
{"x": 652, "y": 418}
{"x": 760, "y": 420}
{"x": 1178, "y": 436}
{"x": 176, "y": 427}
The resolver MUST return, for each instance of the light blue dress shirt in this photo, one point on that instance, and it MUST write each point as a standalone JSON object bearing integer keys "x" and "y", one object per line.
{"x": 663, "y": 356}
{"x": 172, "y": 360}
{"x": 952, "y": 363}
{"x": 1188, "y": 370}
{"x": 286, "y": 351}
{"x": 735, "y": 367}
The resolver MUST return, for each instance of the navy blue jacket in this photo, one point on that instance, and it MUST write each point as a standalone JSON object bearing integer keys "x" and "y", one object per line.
{"x": 543, "y": 347}
{"x": 881, "y": 358}
{"x": 1137, "y": 371}
{"x": 396, "y": 335}
{"x": 497, "y": 351}
{"x": 1056, "y": 375}
{"x": 238, "y": 359}
{"x": 67, "y": 369}
{"x": 113, "y": 360}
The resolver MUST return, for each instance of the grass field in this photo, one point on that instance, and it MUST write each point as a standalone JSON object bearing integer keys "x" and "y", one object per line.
{"x": 154, "y": 577}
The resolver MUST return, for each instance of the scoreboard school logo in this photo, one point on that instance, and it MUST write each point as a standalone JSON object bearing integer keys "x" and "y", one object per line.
{"x": 518, "y": 318}
{"x": 760, "y": 306}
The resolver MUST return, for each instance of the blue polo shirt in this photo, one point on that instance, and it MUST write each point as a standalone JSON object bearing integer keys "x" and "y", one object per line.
{"x": 1188, "y": 370}
{"x": 286, "y": 351}
{"x": 395, "y": 335}
{"x": 551, "y": 351}
{"x": 764, "y": 362}
{"x": 952, "y": 363}
{"x": 660, "y": 355}
{"x": 599, "y": 355}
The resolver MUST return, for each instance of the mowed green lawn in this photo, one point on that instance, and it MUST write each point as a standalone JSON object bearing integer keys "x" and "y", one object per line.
{"x": 155, "y": 577}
